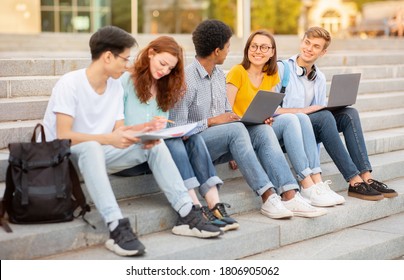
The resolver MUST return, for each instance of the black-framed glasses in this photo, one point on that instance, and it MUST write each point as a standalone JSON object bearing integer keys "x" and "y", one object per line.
{"x": 262, "y": 48}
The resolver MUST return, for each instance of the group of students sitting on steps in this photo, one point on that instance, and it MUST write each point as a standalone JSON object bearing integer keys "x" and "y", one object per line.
{"x": 102, "y": 107}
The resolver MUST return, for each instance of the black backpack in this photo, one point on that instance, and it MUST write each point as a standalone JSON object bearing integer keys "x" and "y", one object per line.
{"x": 42, "y": 185}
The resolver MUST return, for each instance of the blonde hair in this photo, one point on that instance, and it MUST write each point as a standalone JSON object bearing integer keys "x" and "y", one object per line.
{"x": 318, "y": 32}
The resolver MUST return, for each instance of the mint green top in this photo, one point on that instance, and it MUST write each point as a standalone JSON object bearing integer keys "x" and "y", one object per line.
{"x": 135, "y": 111}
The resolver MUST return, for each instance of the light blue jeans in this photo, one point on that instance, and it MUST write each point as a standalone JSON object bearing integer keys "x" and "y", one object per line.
{"x": 254, "y": 156}
{"x": 295, "y": 133}
{"x": 96, "y": 161}
{"x": 194, "y": 163}
{"x": 271, "y": 157}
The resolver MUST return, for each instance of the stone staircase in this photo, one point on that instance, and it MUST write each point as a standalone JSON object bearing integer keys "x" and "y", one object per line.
{"x": 357, "y": 230}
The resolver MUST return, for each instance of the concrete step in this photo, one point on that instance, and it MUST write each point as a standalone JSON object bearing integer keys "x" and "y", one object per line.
{"x": 383, "y": 119}
{"x": 23, "y": 108}
{"x": 27, "y": 86}
{"x": 37, "y": 44}
{"x": 388, "y": 63}
{"x": 375, "y": 71}
{"x": 384, "y": 148}
{"x": 382, "y": 239}
{"x": 377, "y": 142}
{"x": 381, "y": 85}
{"x": 23, "y": 86}
{"x": 386, "y": 166}
{"x": 33, "y": 107}
{"x": 17, "y": 131}
{"x": 355, "y": 213}
{"x": 379, "y": 101}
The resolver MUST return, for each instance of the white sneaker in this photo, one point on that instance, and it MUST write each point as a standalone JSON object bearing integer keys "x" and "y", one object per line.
{"x": 339, "y": 199}
{"x": 274, "y": 208}
{"x": 301, "y": 208}
{"x": 316, "y": 195}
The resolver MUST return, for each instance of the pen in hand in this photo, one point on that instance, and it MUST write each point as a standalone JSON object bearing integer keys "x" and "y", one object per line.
{"x": 162, "y": 118}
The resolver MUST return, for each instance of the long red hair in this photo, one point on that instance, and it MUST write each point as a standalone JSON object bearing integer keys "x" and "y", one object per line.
{"x": 170, "y": 88}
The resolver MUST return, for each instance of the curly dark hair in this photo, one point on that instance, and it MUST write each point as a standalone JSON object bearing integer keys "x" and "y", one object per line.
{"x": 270, "y": 67}
{"x": 209, "y": 35}
{"x": 170, "y": 88}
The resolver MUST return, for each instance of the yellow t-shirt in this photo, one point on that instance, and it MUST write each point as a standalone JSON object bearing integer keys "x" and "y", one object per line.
{"x": 238, "y": 76}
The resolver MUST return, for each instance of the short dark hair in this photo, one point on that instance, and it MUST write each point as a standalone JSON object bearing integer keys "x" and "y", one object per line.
{"x": 209, "y": 35}
{"x": 110, "y": 38}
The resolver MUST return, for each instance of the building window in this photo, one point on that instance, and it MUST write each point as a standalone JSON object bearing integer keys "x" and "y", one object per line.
{"x": 74, "y": 15}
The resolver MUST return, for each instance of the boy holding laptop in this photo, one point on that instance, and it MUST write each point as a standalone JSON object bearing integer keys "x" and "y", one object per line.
{"x": 306, "y": 93}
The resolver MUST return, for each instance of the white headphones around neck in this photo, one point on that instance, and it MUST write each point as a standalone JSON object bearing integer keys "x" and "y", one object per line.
{"x": 301, "y": 71}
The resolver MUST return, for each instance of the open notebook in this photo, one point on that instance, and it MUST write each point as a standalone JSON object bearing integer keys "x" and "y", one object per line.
{"x": 171, "y": 132}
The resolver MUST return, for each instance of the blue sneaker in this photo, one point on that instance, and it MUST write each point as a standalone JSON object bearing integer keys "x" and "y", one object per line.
{"x": 195, "y": 224}
{"x": 219, "y": 211}
{"x": 211, "y": 218}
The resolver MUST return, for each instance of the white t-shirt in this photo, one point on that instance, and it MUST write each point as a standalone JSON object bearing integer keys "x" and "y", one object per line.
{"x": 93, "y": 113}
{"x": 309, "y": 91}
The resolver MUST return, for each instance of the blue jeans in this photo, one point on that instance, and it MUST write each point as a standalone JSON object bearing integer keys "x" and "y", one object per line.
{"x": 271, "y": 157}
{"x": 96, "y": 161}
{"x": 295, "y": 133}
{"x": 231, "y": 141}
{"x": 194, "y": 163}
{"x": 327, "y": 125}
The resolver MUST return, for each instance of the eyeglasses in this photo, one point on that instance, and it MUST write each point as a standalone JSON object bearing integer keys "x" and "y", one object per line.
{"x": 263, "y": 48}
{"x": 128, "y": 60}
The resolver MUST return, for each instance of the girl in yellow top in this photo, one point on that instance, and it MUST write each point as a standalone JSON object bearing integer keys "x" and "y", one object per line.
{"x": 259, "y": 71}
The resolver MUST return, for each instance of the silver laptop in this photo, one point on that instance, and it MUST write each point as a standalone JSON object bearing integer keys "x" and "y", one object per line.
{"x": 343, "y": 90}
{"x": 262, "y": 107}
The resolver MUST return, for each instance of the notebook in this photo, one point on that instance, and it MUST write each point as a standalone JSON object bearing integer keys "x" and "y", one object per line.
{"x": 171, "y": 132}
{"x": 262, "y": 107}
{"x": 343, "y": 90}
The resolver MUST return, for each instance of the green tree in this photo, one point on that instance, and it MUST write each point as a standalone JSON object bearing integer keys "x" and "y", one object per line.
{"x": 287, "y": 16}
{"x": 280, "y": 17}
{"x": 225, "y": 11}
{"x": 263, "y": 14}
{"x": 361, "y": 2}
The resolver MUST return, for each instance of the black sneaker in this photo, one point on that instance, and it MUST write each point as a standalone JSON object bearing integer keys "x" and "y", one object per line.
{"x": 123, "y": 241}
{"x": 220, "y": 212}
{"x": 364, "y": 191}
{"x": 195, "y": 224}
{"x": 211, "y": 218}
{"x": 382, "y": 188}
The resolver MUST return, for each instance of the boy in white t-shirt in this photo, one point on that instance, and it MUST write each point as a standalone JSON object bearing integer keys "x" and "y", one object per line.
{"x": 86, "y": 106}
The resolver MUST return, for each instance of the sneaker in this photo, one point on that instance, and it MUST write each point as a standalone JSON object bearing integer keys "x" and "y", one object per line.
{"x": 364, "y": 191}
{"x": 316, "y": 195}
{"x": 274, "y": 208}
{"x": 382, "y": 188}
{"x": 195, "y": 224}
{"x": 301, "y": 208}
{"x": 339, "y": 199}
{"x": 212, "y": 218}
{"x": 123, "y": 241}
{"x": 220, "y": 212}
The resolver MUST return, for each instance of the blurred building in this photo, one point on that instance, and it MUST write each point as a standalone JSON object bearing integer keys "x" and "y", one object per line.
{"x": 166, "y": 16}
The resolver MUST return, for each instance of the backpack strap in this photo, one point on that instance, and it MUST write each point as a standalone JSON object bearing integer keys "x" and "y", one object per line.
{"x": 79, "y": 195}
{"x": 286, "y": 75}
{"x": 6, "y": 200}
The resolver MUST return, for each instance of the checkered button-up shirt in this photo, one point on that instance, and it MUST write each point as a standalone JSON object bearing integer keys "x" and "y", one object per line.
{"x": 205, "y": 97}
